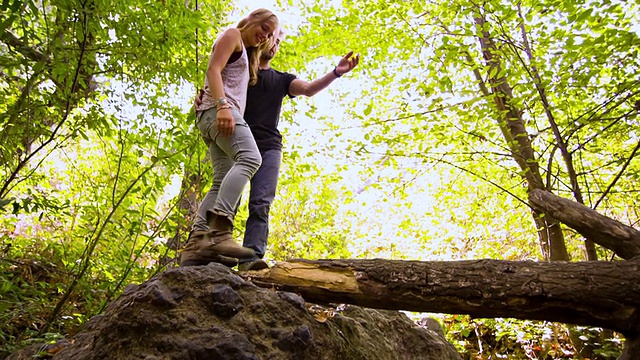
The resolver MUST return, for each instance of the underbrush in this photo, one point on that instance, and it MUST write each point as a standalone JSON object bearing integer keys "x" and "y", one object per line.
{"x": 521, "y": 339}
{"x": 36, "y": 304}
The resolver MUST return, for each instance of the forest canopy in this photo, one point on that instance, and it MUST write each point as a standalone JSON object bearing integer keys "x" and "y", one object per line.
{"x": 426, "y": 151}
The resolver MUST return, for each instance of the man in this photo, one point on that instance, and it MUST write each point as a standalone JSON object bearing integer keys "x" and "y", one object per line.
{"x": 262, "y": 114}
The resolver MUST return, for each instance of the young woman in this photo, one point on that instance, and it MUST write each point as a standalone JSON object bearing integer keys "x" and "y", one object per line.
{"x": 233, "y": 65}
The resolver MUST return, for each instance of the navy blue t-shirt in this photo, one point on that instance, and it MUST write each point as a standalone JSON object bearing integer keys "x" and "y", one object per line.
{"x": 264, "y": 103}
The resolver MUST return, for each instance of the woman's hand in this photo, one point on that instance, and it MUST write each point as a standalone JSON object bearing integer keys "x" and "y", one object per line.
{"x": 225, "y": 122}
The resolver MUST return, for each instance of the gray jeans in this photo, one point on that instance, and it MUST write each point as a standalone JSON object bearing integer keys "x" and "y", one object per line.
{"x": 234, "y": 159}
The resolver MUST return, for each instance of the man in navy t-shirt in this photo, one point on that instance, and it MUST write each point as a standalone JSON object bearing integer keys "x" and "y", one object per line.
{"x": 262, "y": 114}
{"x": 264, "y": 102}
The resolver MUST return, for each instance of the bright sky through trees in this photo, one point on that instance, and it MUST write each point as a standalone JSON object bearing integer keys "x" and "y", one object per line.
{"x": 428, "y": 150}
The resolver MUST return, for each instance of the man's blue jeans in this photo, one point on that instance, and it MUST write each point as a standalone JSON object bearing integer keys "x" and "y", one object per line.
{"x": 263, "y": 191}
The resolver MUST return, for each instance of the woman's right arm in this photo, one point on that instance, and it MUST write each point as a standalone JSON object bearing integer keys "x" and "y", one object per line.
{"x": 229, "y": 42}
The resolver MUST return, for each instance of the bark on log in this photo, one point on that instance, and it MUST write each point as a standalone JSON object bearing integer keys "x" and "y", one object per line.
{"x": 603, "y": 294}
{"x": 612, "y": 234}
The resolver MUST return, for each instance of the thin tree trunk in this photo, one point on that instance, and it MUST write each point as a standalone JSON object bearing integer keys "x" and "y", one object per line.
{"x": 550, "y": 233}
{"x": 560, "y": 143}
{"x": 188, "y": 207}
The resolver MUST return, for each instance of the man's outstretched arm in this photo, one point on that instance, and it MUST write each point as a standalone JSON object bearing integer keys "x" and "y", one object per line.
{"x": 302, "y": 87}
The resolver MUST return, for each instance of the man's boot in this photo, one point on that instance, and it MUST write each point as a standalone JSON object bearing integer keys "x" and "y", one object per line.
{"x": 226, "y": 261}
{"x": 257, "y": 264}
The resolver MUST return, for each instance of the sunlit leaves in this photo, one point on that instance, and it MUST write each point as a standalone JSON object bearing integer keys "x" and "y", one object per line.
{"x": 92, "y": 137}
{"x": 409, "y": 161}
{"x": 423, "y": 98}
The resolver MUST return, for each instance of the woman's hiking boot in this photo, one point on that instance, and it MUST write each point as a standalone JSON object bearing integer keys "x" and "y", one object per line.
{"x": 219, "y": 223}
{"x": 204, "y": 247}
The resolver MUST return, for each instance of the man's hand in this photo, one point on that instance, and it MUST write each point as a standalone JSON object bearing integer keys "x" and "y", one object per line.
{"x": 347, "y": 63}
{"x": 198, "y": 99}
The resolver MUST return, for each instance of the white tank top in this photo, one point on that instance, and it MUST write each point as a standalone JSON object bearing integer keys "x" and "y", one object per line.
{"x": 235, "y": 80}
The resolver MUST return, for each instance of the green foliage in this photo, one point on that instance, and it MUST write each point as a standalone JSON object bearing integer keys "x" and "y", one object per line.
{"x": 410, "y": 159}
{"x": 574, "y": 69}
{"x": 516, "y": 339}
{"x": 306, "y": 221}
{"x": 91, "y": 140}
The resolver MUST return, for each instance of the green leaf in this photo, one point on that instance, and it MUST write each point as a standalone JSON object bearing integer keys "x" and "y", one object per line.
{"x": 5, "y": 202}
{"x": 368, "y": 109}
{"x": 6, "y": 23}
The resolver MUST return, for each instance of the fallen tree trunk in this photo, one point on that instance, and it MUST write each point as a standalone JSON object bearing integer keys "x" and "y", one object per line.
{"x": 594, "y": 293}
{"x": 603, "y": 294}
{"x": 612, "y": 234}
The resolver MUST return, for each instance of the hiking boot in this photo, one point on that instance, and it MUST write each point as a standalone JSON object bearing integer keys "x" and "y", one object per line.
{"x": 204, "y": 247}
{"x": 219, "y": 222}
{"x": 190, "y": 254}
{"x": 221, "y": 227}
{"x": 254, "y": 265}
{"x": 223, "y": 244}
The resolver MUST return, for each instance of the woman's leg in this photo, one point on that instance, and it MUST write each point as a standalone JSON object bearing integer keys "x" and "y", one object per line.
{"x": 242, "y": 149}
{"x": 221, "y": 163}
{"x": 207, "y": 246}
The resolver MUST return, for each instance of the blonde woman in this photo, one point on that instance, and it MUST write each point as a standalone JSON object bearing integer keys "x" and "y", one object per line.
{"x": 233, "y": 65}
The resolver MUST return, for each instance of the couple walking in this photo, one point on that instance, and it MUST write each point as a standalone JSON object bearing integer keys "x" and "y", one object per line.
{"x": 237, "y": 115}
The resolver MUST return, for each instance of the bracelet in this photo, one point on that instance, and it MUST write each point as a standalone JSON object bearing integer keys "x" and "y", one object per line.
{"x": 221, "y": 101}
{"x": 336, "y": 73}
{"x": 222, "y": 108}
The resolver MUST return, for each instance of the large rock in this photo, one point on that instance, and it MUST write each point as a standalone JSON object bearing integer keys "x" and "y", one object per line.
{"x": 209, "y": 312}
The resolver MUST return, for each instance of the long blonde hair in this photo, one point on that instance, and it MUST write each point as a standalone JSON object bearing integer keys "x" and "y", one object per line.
{"x": 257, "y": 16}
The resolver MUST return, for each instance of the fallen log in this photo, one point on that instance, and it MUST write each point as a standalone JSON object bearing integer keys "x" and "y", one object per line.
{"x": 603, "y": 294}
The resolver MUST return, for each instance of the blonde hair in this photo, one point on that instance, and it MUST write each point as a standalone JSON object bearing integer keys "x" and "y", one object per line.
{"x": 257, "y": 16}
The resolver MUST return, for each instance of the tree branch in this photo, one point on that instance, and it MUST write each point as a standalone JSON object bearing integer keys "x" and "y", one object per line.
{"x": 618, "y": 175}
{"x": 611, "y": 234}
{"x": 12, "y": 41}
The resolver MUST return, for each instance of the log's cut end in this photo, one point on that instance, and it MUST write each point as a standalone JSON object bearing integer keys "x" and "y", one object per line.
{"x": 302, "y": 274}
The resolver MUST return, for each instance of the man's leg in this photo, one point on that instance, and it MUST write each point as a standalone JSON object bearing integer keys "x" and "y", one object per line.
{"x": 263, "y": 191}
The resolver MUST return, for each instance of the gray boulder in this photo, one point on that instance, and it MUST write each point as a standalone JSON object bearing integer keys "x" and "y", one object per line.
{"x": 209, "y": 312}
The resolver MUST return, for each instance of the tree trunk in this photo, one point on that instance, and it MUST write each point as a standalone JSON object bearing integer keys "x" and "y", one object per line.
{"x": 513, "y": 128}
{"x": 605, "y": 294}
{"x": 187, "y": 208}
{"x": 622, "y": 239}
{"x": 631, "y": 348}
{"x": 561, "y": 144}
